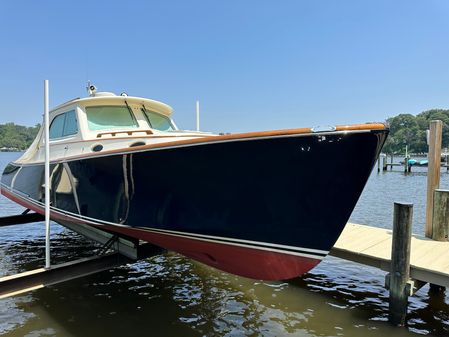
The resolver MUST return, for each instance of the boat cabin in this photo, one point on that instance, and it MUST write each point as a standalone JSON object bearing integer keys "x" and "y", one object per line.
{"x": 105, "y": 121}
{"x": 106, "y": 114}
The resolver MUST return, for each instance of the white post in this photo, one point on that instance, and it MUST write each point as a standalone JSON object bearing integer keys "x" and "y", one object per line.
{"x": 47, "y": 176}
{"x": 197, "y": 115}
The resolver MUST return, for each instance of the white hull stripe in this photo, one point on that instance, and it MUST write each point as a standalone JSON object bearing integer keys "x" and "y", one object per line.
{"x": 292, "y": 250}
{"x": 289, "y": 252}
{"x": 239, "y": 241}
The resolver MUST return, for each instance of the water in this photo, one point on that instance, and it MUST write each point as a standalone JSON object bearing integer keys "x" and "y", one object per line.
{"x": 169, "y": 295}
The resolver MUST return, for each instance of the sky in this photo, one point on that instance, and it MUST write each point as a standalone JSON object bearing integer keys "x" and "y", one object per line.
{"x": 253, "y": 65}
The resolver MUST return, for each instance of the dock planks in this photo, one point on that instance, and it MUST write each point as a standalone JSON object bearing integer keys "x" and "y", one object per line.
{"x": 429, "y": 259}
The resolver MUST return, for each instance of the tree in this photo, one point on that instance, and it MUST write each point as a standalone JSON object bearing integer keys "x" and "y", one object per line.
{"x": 406, "y": 129}
{"x": 17, "y": 136}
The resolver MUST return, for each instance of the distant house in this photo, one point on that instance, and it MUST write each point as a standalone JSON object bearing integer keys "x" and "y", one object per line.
{"x": 9, "y": 149}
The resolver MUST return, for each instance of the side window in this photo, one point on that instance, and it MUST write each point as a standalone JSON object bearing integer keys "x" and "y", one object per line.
{"x": 57, "y": 126}
{"x": 64, "y": 125}
{"x": 70, "y": 125}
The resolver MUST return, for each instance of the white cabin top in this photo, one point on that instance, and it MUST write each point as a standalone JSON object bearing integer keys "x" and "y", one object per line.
{"x": 104, "y": 114}
{"x": 105, "y": 121}
{"x": 109, "y": 98}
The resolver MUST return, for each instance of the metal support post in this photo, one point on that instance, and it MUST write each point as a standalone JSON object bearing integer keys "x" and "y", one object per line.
{"x": 47, "y": 176}
{"x": 197, "y": 115}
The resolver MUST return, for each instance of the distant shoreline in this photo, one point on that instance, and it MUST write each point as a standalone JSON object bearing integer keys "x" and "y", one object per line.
{"x": 16, "y": 138}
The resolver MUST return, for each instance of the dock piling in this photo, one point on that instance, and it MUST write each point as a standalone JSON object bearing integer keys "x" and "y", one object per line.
{"x": 447, "y": 161}
{"x": 440, "y": 218}
{"x": 433, "y": 171}
{"x": 406, "y": 166}
{"x": 400, "y": 262}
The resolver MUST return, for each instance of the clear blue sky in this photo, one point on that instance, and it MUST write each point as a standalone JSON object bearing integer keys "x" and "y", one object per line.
{"x": 254, "y": 65}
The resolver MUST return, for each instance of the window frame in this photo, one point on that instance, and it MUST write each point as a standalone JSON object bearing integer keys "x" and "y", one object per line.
{"x": 64, "y": 124}
{"x": 76, "y": 123}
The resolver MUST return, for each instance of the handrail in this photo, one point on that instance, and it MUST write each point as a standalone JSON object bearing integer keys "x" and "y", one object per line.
{"x": 129, "y": 132}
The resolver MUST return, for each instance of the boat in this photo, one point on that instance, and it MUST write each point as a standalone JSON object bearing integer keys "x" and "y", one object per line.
{"x": 415, "y": 162}
{"x": 264, "y": 205}
{"x": 424, "y": 162}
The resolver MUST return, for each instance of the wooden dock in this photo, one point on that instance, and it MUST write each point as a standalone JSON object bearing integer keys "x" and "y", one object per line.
{"x": 429, "y": 259}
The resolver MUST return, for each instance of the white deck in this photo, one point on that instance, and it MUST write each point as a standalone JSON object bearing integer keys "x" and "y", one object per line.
{"x": 429, "y": 259}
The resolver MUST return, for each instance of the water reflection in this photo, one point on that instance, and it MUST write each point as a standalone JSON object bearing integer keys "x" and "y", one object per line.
{"x": 431, "y": 314}
{"x": 169, "y": 294}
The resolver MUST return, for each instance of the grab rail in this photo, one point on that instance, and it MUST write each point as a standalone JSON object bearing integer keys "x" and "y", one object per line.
{"x": 129, "y": 132}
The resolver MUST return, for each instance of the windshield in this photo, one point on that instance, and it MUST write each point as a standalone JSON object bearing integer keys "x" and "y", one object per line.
{"x": 110, "y": 117}
{"x": 158, "y": 121}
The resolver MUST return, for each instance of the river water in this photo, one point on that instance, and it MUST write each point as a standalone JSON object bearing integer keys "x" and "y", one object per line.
{"x": 169, "y": 295}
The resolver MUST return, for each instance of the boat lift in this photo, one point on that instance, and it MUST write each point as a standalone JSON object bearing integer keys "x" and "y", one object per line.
{"x": 115, "y": 250}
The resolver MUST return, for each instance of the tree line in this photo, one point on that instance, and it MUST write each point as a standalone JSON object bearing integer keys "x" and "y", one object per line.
{"x": 410, "y": 130}
{"x": 17, "y": 136}
{"x": 405, "y": 129}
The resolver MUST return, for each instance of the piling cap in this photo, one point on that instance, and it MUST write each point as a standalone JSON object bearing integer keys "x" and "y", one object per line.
{"x": 402, "y": 203}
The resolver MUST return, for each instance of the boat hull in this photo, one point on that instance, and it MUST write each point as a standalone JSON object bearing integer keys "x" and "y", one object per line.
{"x": 267, "y": 208}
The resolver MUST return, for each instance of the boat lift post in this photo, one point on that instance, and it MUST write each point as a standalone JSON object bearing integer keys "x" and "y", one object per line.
{"x": 197, "y": 115}
{"x": 47, "y": 176}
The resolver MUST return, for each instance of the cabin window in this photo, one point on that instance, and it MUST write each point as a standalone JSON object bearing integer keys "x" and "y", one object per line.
{"x": 109, "y": 117}
{"x": 158, "y": 121}
{"x": 57, "y": 126}
{"x": 64, "y": 125}
{"x": 70, "y": 125}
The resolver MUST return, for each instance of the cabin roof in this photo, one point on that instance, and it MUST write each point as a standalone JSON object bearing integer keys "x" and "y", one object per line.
{"x": 111, "y": 99}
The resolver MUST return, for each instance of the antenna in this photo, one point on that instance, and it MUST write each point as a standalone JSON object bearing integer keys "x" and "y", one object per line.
{"x": 197, "y": 115}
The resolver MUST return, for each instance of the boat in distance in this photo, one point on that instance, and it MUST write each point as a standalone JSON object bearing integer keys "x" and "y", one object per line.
{"x": 264, "y": 205}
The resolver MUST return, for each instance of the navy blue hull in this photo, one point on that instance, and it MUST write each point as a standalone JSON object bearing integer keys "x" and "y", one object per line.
{"x": 292, "y": 193}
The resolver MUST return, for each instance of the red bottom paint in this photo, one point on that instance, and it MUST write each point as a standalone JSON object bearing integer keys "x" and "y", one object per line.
{"x": 248, "y": 262}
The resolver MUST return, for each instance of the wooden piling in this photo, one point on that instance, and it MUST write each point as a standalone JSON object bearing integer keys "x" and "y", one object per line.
{"x": 440, "y": 220}
{"x": 400, "y": 262}
{"x": 391, "y": 162}
{"x": 378, "y": 164}
{"x": 384, "y": 163}
{"x": 433, "y": 170}
{"x": 447, "y": 161}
